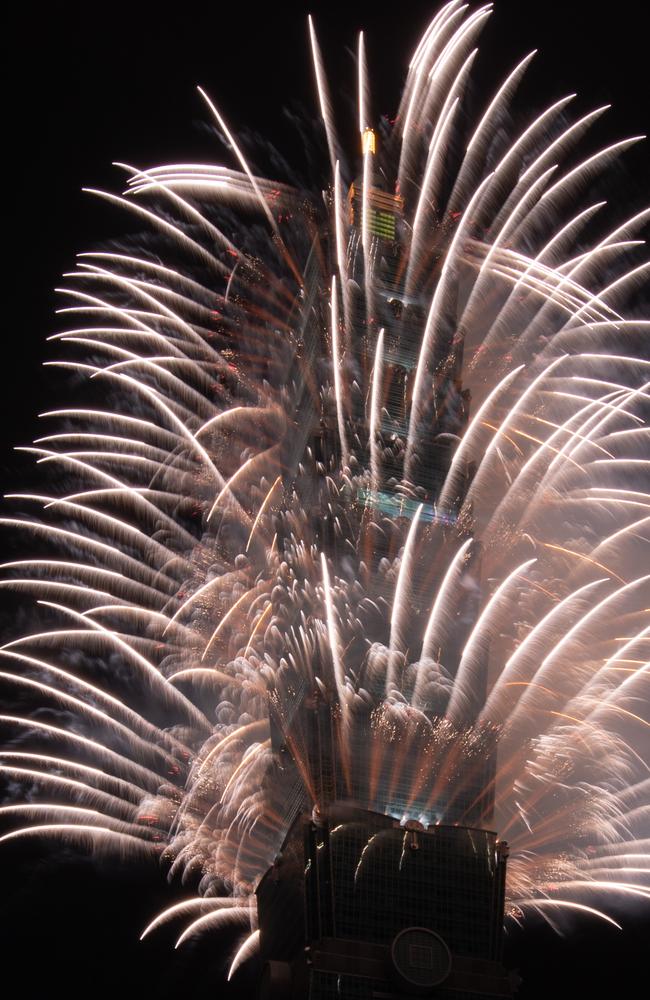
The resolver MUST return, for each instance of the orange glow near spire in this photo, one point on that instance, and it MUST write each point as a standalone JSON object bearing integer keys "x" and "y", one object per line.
{"x": 368, "y": 142}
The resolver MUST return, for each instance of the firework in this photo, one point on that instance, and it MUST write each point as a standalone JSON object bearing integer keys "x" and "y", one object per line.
{"x": 373, "y": 453}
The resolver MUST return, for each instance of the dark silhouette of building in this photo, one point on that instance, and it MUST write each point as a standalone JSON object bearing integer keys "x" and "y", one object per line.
{"x": 357, "y": 904}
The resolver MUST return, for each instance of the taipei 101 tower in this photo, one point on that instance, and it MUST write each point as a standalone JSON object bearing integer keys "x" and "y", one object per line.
{"x": 365, "y": 904}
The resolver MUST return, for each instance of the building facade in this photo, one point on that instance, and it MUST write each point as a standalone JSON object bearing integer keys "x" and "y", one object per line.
{"x": 358, "y": 906}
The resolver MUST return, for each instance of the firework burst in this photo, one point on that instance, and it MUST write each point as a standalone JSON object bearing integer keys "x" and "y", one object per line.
{"x": 376, "y": 454}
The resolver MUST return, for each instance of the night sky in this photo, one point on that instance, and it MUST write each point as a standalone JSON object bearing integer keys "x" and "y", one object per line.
{"x": 83, "y": 90}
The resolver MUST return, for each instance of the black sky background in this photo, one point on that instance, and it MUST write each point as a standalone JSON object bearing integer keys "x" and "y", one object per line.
{"x": 88, "y": 85}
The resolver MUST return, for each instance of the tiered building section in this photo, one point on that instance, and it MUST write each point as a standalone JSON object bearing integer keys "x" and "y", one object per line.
{"x": 357, "y": 906}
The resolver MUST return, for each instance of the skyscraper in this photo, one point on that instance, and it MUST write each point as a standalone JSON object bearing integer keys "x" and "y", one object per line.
{"x": 372, "y": 902}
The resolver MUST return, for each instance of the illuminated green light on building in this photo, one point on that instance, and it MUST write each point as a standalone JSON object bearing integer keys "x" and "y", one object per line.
{"x": 382, "y": 224}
